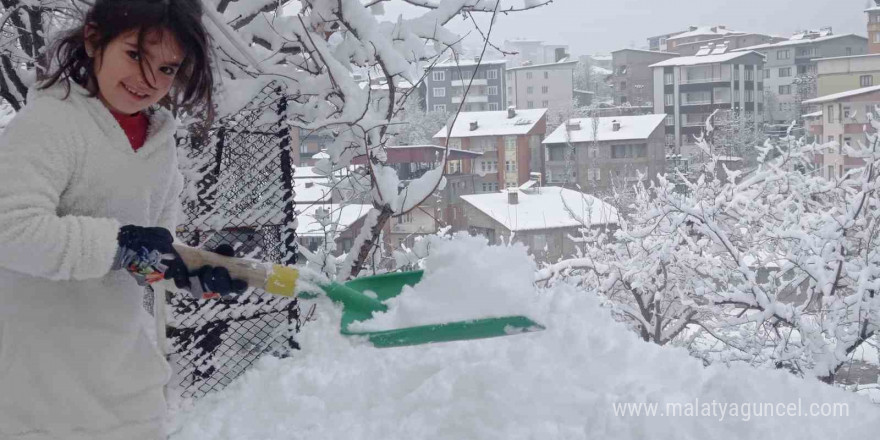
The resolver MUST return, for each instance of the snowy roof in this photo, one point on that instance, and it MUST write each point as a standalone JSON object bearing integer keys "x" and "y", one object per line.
{"x": 312, "y": 189}
{"x": 601, "y": 57}
{"x": 817, "y": 114}
{"x": 468, "y": 62}
{"x": 562, "y": 63}
{"x": 704, "y": 59}
{"x": 795, "y": 42}
{"x": 845, "y": 57}
{"x": 344, "y": 216}
{"x": 494, "y": 123}
{"x": 631, "y": 127}
{"x": 543, "y": 209}
{"x": 601, "y": 70}
{"x": 841, "y": 95}
{"x": 656, "y": 52}
{"x": 704, "y": 30}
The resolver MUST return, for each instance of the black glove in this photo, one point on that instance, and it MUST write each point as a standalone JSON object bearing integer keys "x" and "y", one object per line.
{"x": 212, "y": 282}
{"x": 148, "y": 255}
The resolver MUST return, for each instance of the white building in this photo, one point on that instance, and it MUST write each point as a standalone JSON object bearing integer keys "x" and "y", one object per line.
{"x": 549, "y": 86}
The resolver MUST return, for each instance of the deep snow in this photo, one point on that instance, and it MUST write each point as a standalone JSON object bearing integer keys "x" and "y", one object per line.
{"x": 557, "y": 384}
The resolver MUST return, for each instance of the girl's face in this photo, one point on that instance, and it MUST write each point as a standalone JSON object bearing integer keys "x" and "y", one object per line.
{"x": 121, "y": 83}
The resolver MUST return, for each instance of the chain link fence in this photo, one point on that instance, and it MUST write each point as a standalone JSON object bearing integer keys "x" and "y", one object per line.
{"x": 239, "y": 192}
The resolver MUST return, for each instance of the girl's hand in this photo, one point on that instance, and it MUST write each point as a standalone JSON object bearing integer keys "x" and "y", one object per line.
{"x": 148, "y": 255}
{"x": 213, "y": 281}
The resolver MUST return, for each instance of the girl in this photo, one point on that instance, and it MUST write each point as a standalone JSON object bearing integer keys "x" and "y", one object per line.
{"x": 92, "y": 151}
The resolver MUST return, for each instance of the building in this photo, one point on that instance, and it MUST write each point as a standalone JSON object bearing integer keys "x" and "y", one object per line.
{"x": 413, "y": 161}
{"x": 446, "y": 83}
{"x": 542, "y": 218}
{"x": 549, "y": 86}
{"x": 874, "y": 27}
{"x": 509, "y": 140}
{"x": 696, "y": 34}
{"x": 610, "y": 153}
{"x": 840, "y": 74}
{"x": 658, "y": 43}
{"x": 790, "y": 69}
{"x": 312, "y": 220}
{"x": 689, "y": 89}
{"x": 633, "y": 78}
{"x": 534, "y": 52}
{"x": 732, "y": 41}
{"x": 844, "y": 120}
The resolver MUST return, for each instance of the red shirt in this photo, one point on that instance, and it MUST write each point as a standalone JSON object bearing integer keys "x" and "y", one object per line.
{"x": 135, "y": 127}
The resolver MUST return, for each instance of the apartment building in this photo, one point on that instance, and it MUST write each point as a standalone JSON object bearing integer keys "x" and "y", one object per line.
{"x": 843, "y": 121}
{"x": 549, "y": 86}
{"x": 608, "y": 152}
{"x": 696, "y": 34}
{"x": 509, "y": 140}
{"x": 840, "y": 74}
{"x": 689, "y": 89}
{"x": 633, "y": 78}
{"x": 534, "y": 52}
{"x": 446, "y": 84}
{"x": 790, "y": 68}
{"x": 874, "y": 27}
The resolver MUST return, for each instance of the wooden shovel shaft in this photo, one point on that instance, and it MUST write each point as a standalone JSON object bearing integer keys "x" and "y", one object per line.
{"x": 275, "y": 279}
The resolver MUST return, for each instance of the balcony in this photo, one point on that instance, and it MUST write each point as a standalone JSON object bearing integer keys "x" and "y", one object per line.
{"x": 704, "y": 80}
{"x": 471, "y": 99}
{"x": 465, "y": 82}
{"x": 703, "y": 102}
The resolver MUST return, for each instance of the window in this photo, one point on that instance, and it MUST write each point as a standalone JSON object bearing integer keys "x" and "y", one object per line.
{"x": 877, "y": 37}
{"x": 668, "y": 78}
{"x": 493, "y": 106}
{"x": 440, "y": 108}
{"x": 670, "y": 140}
{"x": 750, "y": 74}
{"x": 545, "y": 89}
{"x": 545, "y": 104}
{"x": 621, "y": 70}
{"x": 785, "y": 90}
{"x": 721, "y": 95}
{"x": 806, "y": 51}
{"x": 869, "y": 110}
{"x": 546, "y": 75}
{"x": 628, "y": 151}
{"x": 530, "y": 90}
{"x": 510, "y": 143}
{"x": 670, "y": 120}
{"x": 784, "y": 72}
{"x": 492, "y": 74}
{"x": 510, "y": 91}
{"x": 510, "y": 166}
{"x": 669, "y": 99}
{"x": 750, "y": 95}
{"x": 783, "y": 54}
{"x": 530, "y": 104}
{"x": 556, "y": 153}
{"x": 492, "y": 90}
{"x": 623, "y": 85}
{"x": 439, "y": 92}
{"x": 528, "y": 75}
{"x": 830, "y": 171}
{"x": 438, "y": 76}
{"x": 830, "y": 138}
{"x": 866, "y": 80}
{"x": 766, "y": 73}
{"x": 830, "y": 113}
{"x": 846, "y": 112}
{"x": 454, "y": 167}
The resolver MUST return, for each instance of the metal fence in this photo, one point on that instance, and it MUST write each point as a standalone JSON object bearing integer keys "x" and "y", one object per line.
{"x": 239, "y": 191}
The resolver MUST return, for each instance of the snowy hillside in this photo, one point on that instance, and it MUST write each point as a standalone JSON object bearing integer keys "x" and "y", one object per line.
{"x": 562, "y": 383}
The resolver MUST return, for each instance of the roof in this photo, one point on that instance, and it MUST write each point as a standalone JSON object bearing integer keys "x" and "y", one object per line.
{"x": 704, "y": 59}
{"x": 343, "y": 215}
{"x": 419, "y": 153}
{"x": 543, "y": 208}
{"x": 790, "y": 42}
{"x": 545, "y": 65}
{"x": 631, "y": 127}
{"x": 494, "y": 123}
{"x": 468, "y": 62}
{"x": 704, "y": 30}
{"x": 842, "y": 95}
{"x": 867, "y": 55}
{"x": 817, "y": 114}
{"x": 657, "y": 52}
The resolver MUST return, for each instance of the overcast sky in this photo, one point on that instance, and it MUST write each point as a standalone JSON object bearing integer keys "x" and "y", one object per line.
{"x": 601, "y": 26}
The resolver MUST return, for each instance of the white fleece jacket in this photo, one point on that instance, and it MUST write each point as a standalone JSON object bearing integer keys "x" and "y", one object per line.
{"x": 76, "y": 358}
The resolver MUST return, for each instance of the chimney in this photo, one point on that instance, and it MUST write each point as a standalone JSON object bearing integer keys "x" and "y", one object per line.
{"x": 474, "y": 125}
{"x": 573, "y": 125}
{"x": 512, "y": 196}
{"x": 615, "y": 125}
{"x": 511, "y": 112}
{"x": 310, "y": 184}
{"x": 692, "y": 28}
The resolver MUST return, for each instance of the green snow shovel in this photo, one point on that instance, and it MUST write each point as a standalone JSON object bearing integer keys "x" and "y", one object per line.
{"x": 358, "y": 305}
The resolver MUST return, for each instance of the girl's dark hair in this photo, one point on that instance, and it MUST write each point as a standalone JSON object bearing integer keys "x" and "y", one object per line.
{"x": 111, "y": 18}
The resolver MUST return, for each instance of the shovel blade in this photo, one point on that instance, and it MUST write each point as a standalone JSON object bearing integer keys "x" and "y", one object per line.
{"x": 358, "y": 305}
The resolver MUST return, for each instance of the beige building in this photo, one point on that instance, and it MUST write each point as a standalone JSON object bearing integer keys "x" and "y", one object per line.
{"x": 844, "y": 117}
{"x": 542, "y": 218}
{"x": 610, "y": 153}
{"x": 841, "y": 74}
{"x": 549, "y": 86}
{"x": 874, "y": 27}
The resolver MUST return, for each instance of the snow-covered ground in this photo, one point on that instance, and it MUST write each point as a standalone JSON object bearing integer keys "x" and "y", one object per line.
{"x": 562, "y": 383}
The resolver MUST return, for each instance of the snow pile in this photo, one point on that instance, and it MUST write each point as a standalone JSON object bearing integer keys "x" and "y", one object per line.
{"x": 477, "y": 292}
{"x": 561, "y": 383}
